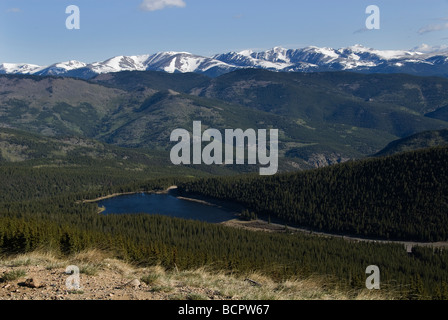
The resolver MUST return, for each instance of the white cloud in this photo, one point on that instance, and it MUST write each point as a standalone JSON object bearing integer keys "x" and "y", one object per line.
{"x": 15, "y": 10}
{"x": 433, "y": 27}
{"x": 362, "y": 30}
{"x": 153, "y": 5}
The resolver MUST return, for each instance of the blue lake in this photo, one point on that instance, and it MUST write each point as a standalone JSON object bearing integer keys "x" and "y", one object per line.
{"x": 165, "y": 204}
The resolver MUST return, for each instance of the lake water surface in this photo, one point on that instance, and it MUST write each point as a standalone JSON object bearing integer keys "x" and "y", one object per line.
{"x": 165, "y": 204}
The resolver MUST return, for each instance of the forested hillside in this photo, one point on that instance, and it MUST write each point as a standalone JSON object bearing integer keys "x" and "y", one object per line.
{"x": 416, "y": 141}
{"x": 323, "y": 118}
{"x": 398, "y": 197}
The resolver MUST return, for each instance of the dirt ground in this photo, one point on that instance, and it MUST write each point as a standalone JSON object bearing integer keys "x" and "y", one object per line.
{"x": 111, "y": 281}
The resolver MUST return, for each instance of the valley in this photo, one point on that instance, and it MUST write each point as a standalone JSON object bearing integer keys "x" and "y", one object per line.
{"x": 361, "y": 157}
{"x": 324, "y": 118}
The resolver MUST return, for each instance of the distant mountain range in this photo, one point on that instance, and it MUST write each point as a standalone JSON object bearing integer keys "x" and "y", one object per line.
{"x": 323, "y": 117}
{"x": 310, "y": 59}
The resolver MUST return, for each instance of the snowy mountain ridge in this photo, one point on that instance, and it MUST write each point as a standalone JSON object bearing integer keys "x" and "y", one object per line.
{"x": 308, "y": 59}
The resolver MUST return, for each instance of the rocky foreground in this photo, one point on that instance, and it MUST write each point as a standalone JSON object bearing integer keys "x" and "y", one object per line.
{"x": 41, "y": 276}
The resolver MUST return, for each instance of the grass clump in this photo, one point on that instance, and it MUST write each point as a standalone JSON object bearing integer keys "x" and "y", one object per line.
{"x": 196, "y": 296}
{"x": 13, "y": 275}
{"x": 150, "y": 279}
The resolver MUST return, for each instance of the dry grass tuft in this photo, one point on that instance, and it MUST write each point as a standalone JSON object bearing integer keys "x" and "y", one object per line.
{"x": 37, "y": 257}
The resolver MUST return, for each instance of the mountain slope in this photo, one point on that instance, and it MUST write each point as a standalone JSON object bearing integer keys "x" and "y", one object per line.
{"x": 323, "y": 118}
{"x": 135, "y": 81}
{"x": 24, "y": 150}
{"x": 417, "y": 141}
{"x": 396, "y": 104}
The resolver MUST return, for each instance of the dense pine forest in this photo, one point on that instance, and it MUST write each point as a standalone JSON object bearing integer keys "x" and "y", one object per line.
{"x": 404, "y": 196}
{"x": 41, "y": 207}
{"x": 149, "y": 240}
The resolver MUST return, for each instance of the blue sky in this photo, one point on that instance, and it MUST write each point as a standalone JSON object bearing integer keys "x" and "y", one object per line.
{"x": 34, "y": 31}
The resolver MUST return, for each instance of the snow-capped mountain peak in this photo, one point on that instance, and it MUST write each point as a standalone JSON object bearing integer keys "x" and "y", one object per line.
{"x": 59, "y": 68}
{"x": 246, "y": 53}
{"x": 18, "y": 68}
{"x": 70, "y": 65}
{"x": 384, "y": 54}
{"x": 119, "y": 63}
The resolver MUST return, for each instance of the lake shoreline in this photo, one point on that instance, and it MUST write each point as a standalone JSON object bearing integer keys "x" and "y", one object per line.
{"x": 219, "y": 210}
{"x": 262, "y": 224}
{"x": 113, "y": 195}
{"x": 172, "y": 190}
